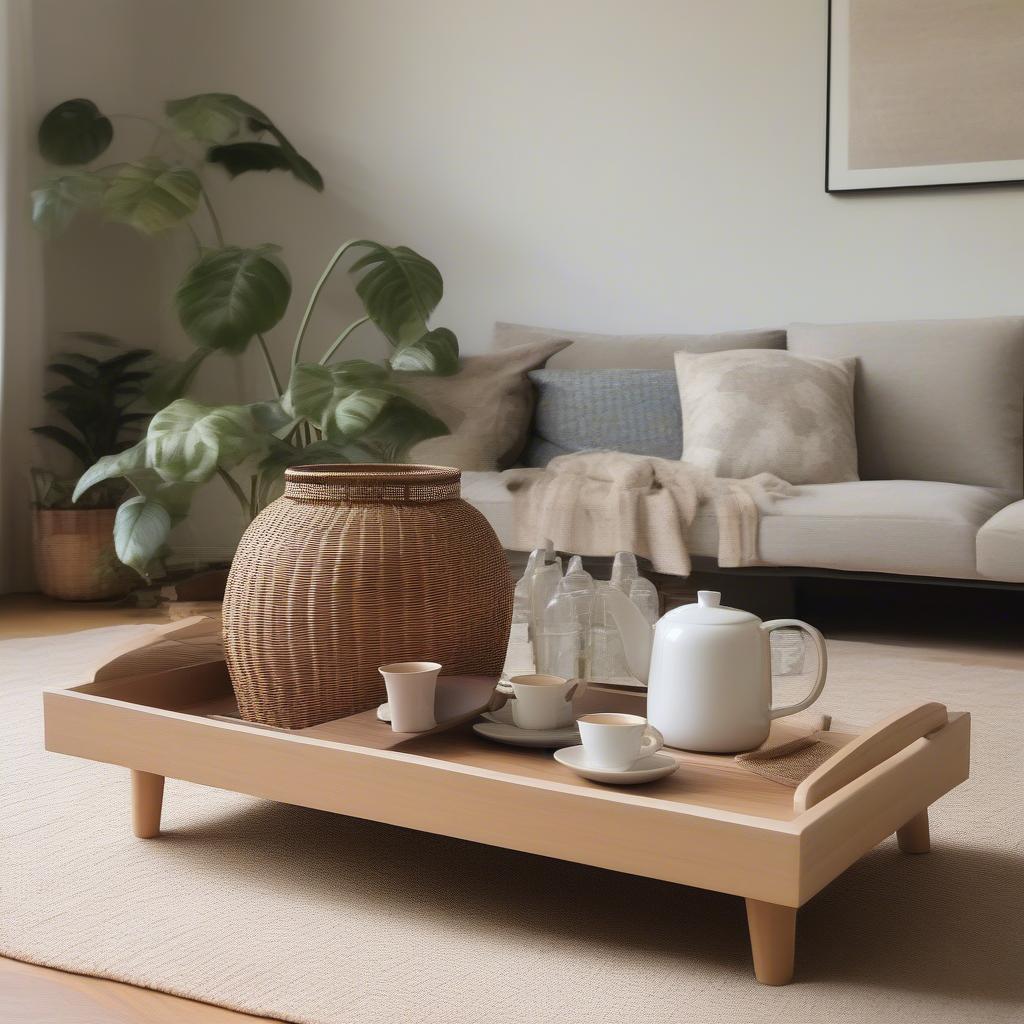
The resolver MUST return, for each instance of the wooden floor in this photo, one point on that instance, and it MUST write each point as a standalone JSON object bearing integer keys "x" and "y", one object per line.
{"x": 971, "y": 627}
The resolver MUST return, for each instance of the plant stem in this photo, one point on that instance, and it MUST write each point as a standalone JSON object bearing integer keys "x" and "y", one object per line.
{"x": 253, "y": 504}
{"x": 213, "y": 218}
{"x": 311, "y": 305}
{"x": 270, "y": 364}
{"x": 234, "y": 488}
{"x": 340, "y": 338}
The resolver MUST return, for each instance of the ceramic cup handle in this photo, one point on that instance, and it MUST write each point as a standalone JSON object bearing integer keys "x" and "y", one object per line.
{"x": 819, "y": 683}
{"x": 652, "y": 742}
{"x": 576, "y": 690}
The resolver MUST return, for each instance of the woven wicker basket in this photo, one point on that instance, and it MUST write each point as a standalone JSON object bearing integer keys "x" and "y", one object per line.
{"x": 353, "y": 567}
{"x": 74, "y": 554}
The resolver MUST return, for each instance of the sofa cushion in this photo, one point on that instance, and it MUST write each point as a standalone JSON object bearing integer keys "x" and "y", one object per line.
{"x": 905, "y": 527}
{"x": 935, "y": 399}
{"x": 748, "y": 412}
{"x": 487, "y": 406}
{"x": 1001, "y": 545}
{"x": 613, "y": 410}
{"x": 630, "y": 351}
{"x": 908, "y": 527}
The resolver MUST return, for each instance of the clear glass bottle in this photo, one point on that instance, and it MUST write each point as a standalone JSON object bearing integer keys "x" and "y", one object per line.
{"x": 607, "y": 657}
{"x": 644, "y": 594}
{"x": 563, "y": 642}
{"x": 522, "y": 600}
{"x": 624, "y": 571}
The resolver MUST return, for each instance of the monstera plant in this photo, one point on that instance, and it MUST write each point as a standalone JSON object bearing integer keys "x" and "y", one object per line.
{"x": 230, "y": 297}
{"x": 231, "y": 294}
{"x": 346, "y": 411}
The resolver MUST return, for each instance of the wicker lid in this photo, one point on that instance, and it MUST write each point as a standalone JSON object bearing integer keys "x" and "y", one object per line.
{"x": 370, "y": 482}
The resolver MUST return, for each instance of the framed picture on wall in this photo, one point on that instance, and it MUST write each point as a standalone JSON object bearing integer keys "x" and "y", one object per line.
{"x": 924, "y": 93}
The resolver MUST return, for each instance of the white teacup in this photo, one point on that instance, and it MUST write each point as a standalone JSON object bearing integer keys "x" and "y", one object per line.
{"x": 411, "y": 687}
{"x": 615, "y": 742}
{"x": 544, "y": 702}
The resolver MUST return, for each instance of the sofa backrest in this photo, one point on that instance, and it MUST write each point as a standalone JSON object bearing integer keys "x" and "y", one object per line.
{"x": 934, "y": 399}
{"x": 630, "y": 351}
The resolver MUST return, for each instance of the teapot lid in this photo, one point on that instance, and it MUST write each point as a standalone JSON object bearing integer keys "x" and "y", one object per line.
{"x": 708, "y": 611}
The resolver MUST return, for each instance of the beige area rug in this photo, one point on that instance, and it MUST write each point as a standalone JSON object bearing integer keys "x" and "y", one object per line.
{"x": 311, "y": 917}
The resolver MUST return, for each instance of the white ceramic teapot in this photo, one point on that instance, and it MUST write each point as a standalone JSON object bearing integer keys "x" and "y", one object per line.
{"x": 708, "y": 671}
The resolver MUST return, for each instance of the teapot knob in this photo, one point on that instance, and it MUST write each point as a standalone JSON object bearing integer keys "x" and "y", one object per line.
{"x": 709, "y": 598}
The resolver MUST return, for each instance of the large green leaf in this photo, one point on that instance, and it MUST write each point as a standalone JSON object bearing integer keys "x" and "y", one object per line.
{"x": 74, "y": 132}
{"x": 151, "y": 195}
{"x": 315, "y": 391}
{"x": 56, "y": 201}
{"x": 110, "y": 466}
{"x": 238, "y": 157}
{"x": 402, "y": 424}
{"x": 231, "y": 294}
{"x": 297, "y": 164}
{"x": 357, "y": 412}
{"x": 187, "y": 442}
{"x": 209, "y": 116}
{"x": 436, "y": 352}
{"x": 141, "y": 528}
{"x": 399, "y": 289}
{"x": 377, "y": 416}
{"x": 219, "y": 116}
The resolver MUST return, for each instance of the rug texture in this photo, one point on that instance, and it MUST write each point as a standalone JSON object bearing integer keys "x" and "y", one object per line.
{"x": 311, "y": 917}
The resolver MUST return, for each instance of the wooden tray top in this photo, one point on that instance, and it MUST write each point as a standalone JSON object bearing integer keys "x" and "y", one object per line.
{"x": 166, "y": 708}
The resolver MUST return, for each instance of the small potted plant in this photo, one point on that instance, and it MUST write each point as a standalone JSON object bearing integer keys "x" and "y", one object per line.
{"x": 96, "y": 404}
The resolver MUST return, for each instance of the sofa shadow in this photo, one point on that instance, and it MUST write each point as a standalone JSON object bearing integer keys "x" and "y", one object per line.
{"x": 946, "y": 923}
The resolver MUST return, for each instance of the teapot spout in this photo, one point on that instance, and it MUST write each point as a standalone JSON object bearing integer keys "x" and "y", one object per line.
{"x": 635, "y": 630}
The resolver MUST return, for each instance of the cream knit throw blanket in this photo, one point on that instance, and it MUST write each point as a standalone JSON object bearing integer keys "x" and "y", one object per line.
{"x": 597, "y": 503}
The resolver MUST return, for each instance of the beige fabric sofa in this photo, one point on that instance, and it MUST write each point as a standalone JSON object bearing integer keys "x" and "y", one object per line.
{"x": 940, "y": 429}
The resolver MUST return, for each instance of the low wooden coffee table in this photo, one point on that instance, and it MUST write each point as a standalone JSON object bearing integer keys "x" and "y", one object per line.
{"x": 164, "y": 710}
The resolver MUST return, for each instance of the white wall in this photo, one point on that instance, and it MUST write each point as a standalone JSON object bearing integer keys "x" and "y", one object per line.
{"x": 619, "y": 165}
{"x": 609, "y": 164}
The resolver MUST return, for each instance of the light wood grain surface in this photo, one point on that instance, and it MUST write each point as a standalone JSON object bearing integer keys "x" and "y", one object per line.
{"x": 38, "y": 995}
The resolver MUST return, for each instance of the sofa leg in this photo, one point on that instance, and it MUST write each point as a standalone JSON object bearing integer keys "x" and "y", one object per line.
{"x": 772, "y": 941}
{"x": 914, "y": 837}
{"x": 147, "y": 802}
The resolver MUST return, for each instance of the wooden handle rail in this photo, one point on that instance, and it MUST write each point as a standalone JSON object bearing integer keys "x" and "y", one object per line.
{"x": 871, "y": 748}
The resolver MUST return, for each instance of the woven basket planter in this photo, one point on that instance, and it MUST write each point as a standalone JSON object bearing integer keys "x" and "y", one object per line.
{"x": 356, "y": 566}
{"x": 74, "y": 554}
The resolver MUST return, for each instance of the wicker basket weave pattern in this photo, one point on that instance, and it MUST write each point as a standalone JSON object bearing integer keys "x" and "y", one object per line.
{"x": 353, "y": 567}
{"x": 74, "y": 554}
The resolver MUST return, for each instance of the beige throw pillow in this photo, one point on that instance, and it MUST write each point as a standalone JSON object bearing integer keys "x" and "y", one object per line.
{"x": 748, "y": 412}
{"x": 487, "y": 406}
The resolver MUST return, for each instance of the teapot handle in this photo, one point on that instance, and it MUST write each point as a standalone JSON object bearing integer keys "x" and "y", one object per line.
{"x": 819, "y": 683}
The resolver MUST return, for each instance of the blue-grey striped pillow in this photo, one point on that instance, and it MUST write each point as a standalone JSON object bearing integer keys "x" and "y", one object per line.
{"x": 618, "y": 410}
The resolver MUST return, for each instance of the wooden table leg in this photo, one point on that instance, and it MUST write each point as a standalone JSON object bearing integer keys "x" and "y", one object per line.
{"x": 772, "y": 941}
{"x": 147, "y": 801}
{"x": 914, "y": 836}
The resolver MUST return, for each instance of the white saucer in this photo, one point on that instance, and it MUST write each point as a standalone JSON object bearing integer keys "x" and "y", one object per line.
{"x": 500, "y": 727}
{"x": 647, "y": 769}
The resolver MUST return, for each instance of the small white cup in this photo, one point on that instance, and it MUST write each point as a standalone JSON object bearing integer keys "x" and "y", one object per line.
{"x": 544, "y": 702}
{"x": 411, "y": 687}
{"x": 615, "y": 742}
